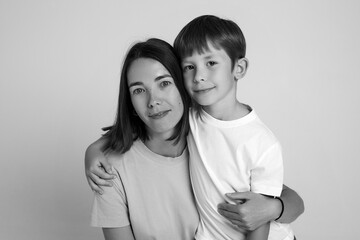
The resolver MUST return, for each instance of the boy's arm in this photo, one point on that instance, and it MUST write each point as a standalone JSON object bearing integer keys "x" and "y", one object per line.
{"x": 254, "y": 210}
{"x": 97, "y": 169}
{"x": 261, "y": 233}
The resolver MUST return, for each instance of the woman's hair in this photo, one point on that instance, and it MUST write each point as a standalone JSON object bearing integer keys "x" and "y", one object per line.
{"x": 221, "y": 33}
{"x": 128, "y": 126}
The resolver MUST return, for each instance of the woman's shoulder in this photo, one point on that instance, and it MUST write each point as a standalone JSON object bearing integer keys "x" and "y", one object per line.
{"x": 117, "y": 158}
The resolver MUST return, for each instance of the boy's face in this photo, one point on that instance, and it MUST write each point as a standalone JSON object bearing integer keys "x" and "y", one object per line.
{"x": 209, "y": 77}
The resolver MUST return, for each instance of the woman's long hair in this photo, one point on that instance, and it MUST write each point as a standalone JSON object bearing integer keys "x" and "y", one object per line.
{"x": 128, "y": 126}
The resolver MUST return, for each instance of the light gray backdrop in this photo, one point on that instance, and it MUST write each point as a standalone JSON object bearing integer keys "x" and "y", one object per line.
{"x": 59, "y": 72}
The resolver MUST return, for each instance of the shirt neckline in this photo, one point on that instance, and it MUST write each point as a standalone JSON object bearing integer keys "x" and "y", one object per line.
{"x": 150, "y": 155}
{"x": 231, "y": 123}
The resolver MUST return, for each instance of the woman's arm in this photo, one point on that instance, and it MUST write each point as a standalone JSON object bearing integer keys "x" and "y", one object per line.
{"x": 293, "y": 205}
{"x": 261, "y": 233}
{"x": 122, "y": 233}
{"x": 254, "y": 210}
{"x": 97, "y": 169}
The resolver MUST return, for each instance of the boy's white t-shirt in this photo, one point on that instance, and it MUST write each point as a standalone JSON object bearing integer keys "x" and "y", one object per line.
{"x": 232, "y": 156}
{"x": 151, "y": 193}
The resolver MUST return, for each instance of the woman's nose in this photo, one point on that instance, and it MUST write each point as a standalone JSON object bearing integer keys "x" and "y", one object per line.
{"x": 153, "y": 101}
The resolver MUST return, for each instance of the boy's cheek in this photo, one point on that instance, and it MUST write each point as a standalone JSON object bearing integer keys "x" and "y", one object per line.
{"x": 188, "y": 88}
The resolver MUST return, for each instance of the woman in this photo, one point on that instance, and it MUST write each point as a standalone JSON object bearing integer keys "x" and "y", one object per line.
{"x": 147, "y": 148}
{"x": 152, "y": 195}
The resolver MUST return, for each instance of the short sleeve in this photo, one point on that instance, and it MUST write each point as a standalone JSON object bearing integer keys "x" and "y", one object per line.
{"x": 110, "y": 208}
{"x": 267, "y": 173}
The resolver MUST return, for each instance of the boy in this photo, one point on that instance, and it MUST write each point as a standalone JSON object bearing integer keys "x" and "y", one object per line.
{"x": 230, "y": 148}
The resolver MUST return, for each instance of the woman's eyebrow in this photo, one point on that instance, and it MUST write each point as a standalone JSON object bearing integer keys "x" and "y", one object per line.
{"x": 135, "y": 84}
{"x": 156, "y": 79}
{"x": 162, "y": 76}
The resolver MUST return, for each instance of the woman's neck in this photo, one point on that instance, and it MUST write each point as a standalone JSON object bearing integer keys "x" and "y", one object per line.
{"x": 165, "y": 148}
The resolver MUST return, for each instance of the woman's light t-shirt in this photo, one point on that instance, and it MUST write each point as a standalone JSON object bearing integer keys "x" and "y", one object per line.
{"x": 152, "y": 193}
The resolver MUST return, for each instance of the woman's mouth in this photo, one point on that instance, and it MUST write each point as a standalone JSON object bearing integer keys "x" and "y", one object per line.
{"x": 159, "y": 115}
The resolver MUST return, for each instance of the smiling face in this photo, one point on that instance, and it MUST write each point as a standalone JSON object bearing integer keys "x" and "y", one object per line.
{"x": 210, "y": 78}
{"x": 154, "y": 96}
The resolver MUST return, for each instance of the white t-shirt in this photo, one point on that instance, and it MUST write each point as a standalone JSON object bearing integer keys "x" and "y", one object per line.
{"x": 232, "y": 156}
{"x": 152, "y": 193}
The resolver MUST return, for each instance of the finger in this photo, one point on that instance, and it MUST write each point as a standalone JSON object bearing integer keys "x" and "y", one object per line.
{"x": 228, "y": 207}
{"x": 100, "y": 181}
{"x": 100, "y": 173}
{"x": 107, "y": 167}
{"x": 95, "y": 187}
{"x": 231, "y": 216}
{"x": 234, "y": 219}
{"x": 243, "y": 196}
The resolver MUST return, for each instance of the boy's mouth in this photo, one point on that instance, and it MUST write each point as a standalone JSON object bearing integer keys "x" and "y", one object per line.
{"x": 203, "y": 90}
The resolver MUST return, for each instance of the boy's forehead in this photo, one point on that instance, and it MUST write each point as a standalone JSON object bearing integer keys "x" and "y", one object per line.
{"x": 205, "y": 51}
{"x": 199, "y": 47}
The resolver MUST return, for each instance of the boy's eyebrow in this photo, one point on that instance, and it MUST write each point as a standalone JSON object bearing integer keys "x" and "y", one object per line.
{"x": 208, "y": 55}
{"x": 205, "y": 56}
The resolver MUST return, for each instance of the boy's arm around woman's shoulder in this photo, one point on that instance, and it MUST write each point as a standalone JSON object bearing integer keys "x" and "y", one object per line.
{"x": 97, "y": 168}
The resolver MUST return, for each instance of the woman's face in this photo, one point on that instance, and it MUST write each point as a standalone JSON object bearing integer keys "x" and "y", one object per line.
{"x": 154, "y": 96}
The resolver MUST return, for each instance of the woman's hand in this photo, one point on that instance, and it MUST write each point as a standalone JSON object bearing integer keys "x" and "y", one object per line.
{"x": 251, "y": 211}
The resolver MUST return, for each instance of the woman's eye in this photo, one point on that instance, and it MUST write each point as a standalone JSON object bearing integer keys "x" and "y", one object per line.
{"x": 165, "y": 83}
{"x": 137, "y": 91}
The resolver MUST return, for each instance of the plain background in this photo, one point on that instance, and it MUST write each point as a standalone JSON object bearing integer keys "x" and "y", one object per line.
{"x": 59, "y": 70}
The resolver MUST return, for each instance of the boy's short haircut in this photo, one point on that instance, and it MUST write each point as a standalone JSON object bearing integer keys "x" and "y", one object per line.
{"x": 221, "y": 33}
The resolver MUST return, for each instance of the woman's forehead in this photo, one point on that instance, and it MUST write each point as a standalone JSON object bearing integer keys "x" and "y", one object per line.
{"x": 146, "y": 69}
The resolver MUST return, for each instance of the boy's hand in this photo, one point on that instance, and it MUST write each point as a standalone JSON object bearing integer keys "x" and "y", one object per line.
{"x": 251, "y": 211}
{"x": 97, "y": 170}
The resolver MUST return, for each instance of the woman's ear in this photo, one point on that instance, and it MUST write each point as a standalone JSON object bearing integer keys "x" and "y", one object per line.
{"x": 241, "y": 66}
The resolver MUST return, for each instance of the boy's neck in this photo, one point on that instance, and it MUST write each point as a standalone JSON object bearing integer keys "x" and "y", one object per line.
{"x": 233, "y": 111}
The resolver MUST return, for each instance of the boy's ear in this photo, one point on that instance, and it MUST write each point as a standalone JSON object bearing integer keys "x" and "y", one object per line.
{"x": 241, "y": 66}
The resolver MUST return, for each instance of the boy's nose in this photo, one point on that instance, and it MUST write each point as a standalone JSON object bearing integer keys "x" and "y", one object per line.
{"x": 199, "y": 77}
{"x": 197, "y": 80}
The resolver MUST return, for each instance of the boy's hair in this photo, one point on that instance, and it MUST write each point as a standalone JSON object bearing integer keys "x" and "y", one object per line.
{"x": 128, "y": 126}
{"x": 221, "y": 33}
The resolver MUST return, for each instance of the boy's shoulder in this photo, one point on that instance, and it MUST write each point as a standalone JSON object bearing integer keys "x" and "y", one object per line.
{"x": 261, "y": 132}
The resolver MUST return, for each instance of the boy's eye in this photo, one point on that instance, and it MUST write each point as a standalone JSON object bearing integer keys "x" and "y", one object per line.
{"x": 211, "y": 63}
{"x": 188, "y": 68}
